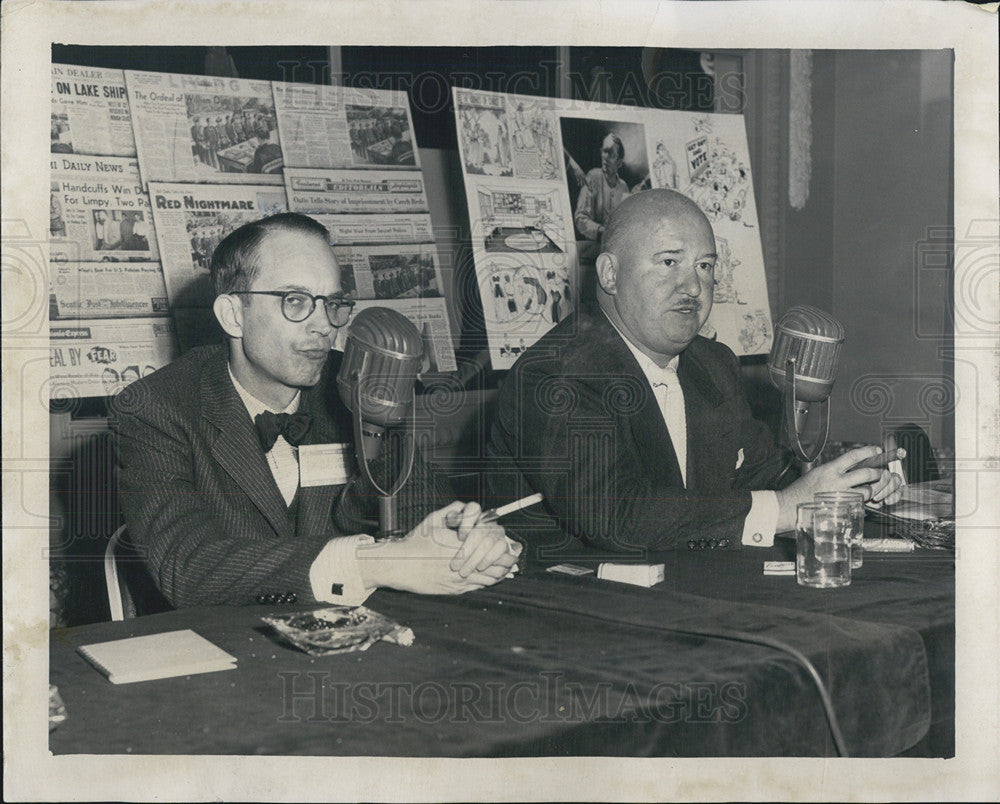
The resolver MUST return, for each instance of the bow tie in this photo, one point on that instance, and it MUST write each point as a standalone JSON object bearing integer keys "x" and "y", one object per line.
{"x": 293, "y": 426}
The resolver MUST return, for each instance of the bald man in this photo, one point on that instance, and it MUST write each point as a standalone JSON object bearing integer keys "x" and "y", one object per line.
{"x": 635, "y": 428}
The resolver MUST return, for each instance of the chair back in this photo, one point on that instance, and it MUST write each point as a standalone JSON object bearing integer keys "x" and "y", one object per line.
{"x": 131, "y": 589}
{"x": 119, "y": 600}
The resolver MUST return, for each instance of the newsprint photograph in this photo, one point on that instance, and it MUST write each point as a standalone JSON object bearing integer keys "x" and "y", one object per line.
{"x": 500, "y": 401}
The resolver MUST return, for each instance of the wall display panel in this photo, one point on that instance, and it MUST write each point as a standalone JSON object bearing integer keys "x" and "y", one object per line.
{"x": 90, "y": 112}
{"x": 338, "y": 127}
{"x": 192, "y": 219}
{"x": 204, "y": 129}
{"x": 543, "y": 175}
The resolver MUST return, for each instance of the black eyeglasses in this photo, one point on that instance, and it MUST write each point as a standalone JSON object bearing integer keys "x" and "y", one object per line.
{"x": 298, "y": 306}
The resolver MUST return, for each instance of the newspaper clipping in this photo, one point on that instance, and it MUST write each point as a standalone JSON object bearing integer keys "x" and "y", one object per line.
{"x": 430, "y": 316}
{"x": 98, "y": 210}
{"x": 107, "y": 290}
{"x": 191, "y": 220}
{"x": 375, "y": 229}
{"x": 99, "y": 358}
{"x": 204, "y": 129}
{"x": 90, "y": 112}
{"x": 314, "y": 191}
{"x": 342, "y": 127}
{"x": 389, "y": 272}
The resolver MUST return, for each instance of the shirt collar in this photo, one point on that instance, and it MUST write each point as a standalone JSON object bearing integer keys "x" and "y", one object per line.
{"x": 653, "y": 372}
{"x": 253, "y": 405}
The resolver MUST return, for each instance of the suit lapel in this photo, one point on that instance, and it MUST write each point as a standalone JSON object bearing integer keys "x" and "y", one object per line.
{"x": 648, "y": 431}
{"x": 237, "y": 449}
{"x": 702, "y": 398}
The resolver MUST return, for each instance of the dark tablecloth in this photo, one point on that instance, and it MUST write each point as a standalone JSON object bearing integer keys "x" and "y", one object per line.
{"x": 551, "y": 665}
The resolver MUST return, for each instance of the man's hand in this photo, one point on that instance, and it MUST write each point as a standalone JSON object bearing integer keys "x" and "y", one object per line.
{"x": 485, "y": 546}
{"x": 877, "y": 485}
{"x": 434, "y": 559}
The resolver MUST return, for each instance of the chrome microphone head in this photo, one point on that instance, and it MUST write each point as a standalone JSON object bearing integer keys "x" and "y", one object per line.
{"x": 383, "y": 355}
{"x": 812, "y": 338}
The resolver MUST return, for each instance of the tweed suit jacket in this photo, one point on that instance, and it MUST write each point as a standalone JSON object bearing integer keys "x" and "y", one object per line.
{"x": 199, "y": 498}
{"x": 578, "y": 422}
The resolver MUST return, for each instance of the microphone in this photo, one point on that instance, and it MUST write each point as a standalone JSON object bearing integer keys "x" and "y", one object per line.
{"x": 803, "y": 366}
{"x": 382, "y": 357}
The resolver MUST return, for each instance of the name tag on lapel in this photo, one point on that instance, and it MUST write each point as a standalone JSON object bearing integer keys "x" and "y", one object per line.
{"x": 325, "y": 464}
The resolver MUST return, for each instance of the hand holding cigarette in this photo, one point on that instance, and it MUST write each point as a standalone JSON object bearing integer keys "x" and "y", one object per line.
{"x": 493, "y": 514}
{"x": 470, "y": 557}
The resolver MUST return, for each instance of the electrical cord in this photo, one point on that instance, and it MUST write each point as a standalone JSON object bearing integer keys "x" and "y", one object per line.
{"x": 740, "y": 636}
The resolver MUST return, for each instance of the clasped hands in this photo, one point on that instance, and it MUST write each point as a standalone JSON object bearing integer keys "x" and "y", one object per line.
{"x": 436, "y": 559}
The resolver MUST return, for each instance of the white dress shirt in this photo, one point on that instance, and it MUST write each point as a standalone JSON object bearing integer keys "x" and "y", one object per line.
{"x": 760, "y": 522}
{"x": 334, "y": 575}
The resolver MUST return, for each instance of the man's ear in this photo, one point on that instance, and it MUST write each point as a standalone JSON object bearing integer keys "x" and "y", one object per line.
{"x": 607, "y": 272}
{"x": 229, "y": 310}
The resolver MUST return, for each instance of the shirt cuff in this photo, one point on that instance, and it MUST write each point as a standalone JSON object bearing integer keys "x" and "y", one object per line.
{"x": 334, "y": 574}
{"x": 758, "y": 527}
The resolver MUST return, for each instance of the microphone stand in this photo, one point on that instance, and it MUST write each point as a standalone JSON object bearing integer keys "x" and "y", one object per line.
{"x": 795, "y": 419}
{"x": 388, "y": 502}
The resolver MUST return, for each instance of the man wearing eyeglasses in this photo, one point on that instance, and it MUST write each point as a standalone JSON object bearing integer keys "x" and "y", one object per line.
{"x": 210, "y": 450}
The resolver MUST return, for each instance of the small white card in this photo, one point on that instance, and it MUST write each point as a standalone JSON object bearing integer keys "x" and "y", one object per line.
{"x": 570, "y": 569}
{"x": 325, "y": 464}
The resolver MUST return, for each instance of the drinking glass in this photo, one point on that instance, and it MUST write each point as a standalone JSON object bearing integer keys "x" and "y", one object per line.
{"x": 857, "y": 502}
{"x": 822, "y": 544}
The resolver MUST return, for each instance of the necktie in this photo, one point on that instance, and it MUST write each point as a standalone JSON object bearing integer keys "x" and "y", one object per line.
{"x": 293, "y": 426}
{"x": 673, "y": 416}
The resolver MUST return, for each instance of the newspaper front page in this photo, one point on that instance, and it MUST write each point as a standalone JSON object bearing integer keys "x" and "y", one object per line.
{"x": 192, "y": 219}
{"x": 344, "y": 127}
{"x": 90, "y": 112}
{"x": 100, "y": 357}
{"x": 204, "y": 129}
{"x": 107, "y": 290}
{"x": 98, "y": 210}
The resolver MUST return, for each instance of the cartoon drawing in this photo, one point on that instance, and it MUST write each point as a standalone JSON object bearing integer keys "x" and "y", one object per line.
{"x": 720, "y": 180}
{"x": 535, "y": 155}
{"x": 754, "y": 332}
{"x": 725, "y": 274}
{"x": 664, "y": 168}
{"x": 521, "y": 220}
{"x": 484, "y": 132}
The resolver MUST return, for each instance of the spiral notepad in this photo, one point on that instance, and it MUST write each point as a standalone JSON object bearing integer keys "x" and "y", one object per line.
{"x": 146, "y": 658}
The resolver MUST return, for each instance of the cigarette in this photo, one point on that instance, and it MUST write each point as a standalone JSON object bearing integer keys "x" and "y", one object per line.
{"x": 881, "y": 460}
{"x": 494, "y": 514}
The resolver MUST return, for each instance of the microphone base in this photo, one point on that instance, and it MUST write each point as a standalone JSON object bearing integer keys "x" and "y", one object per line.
{"x": 388, "y": 518}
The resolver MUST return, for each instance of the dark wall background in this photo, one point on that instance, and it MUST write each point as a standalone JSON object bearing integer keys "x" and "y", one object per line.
{"x": 872, "y": 245}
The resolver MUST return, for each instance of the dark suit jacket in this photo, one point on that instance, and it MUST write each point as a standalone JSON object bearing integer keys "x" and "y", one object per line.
{"x": 578, "y": 421}
{"x": 199, "y": 498}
